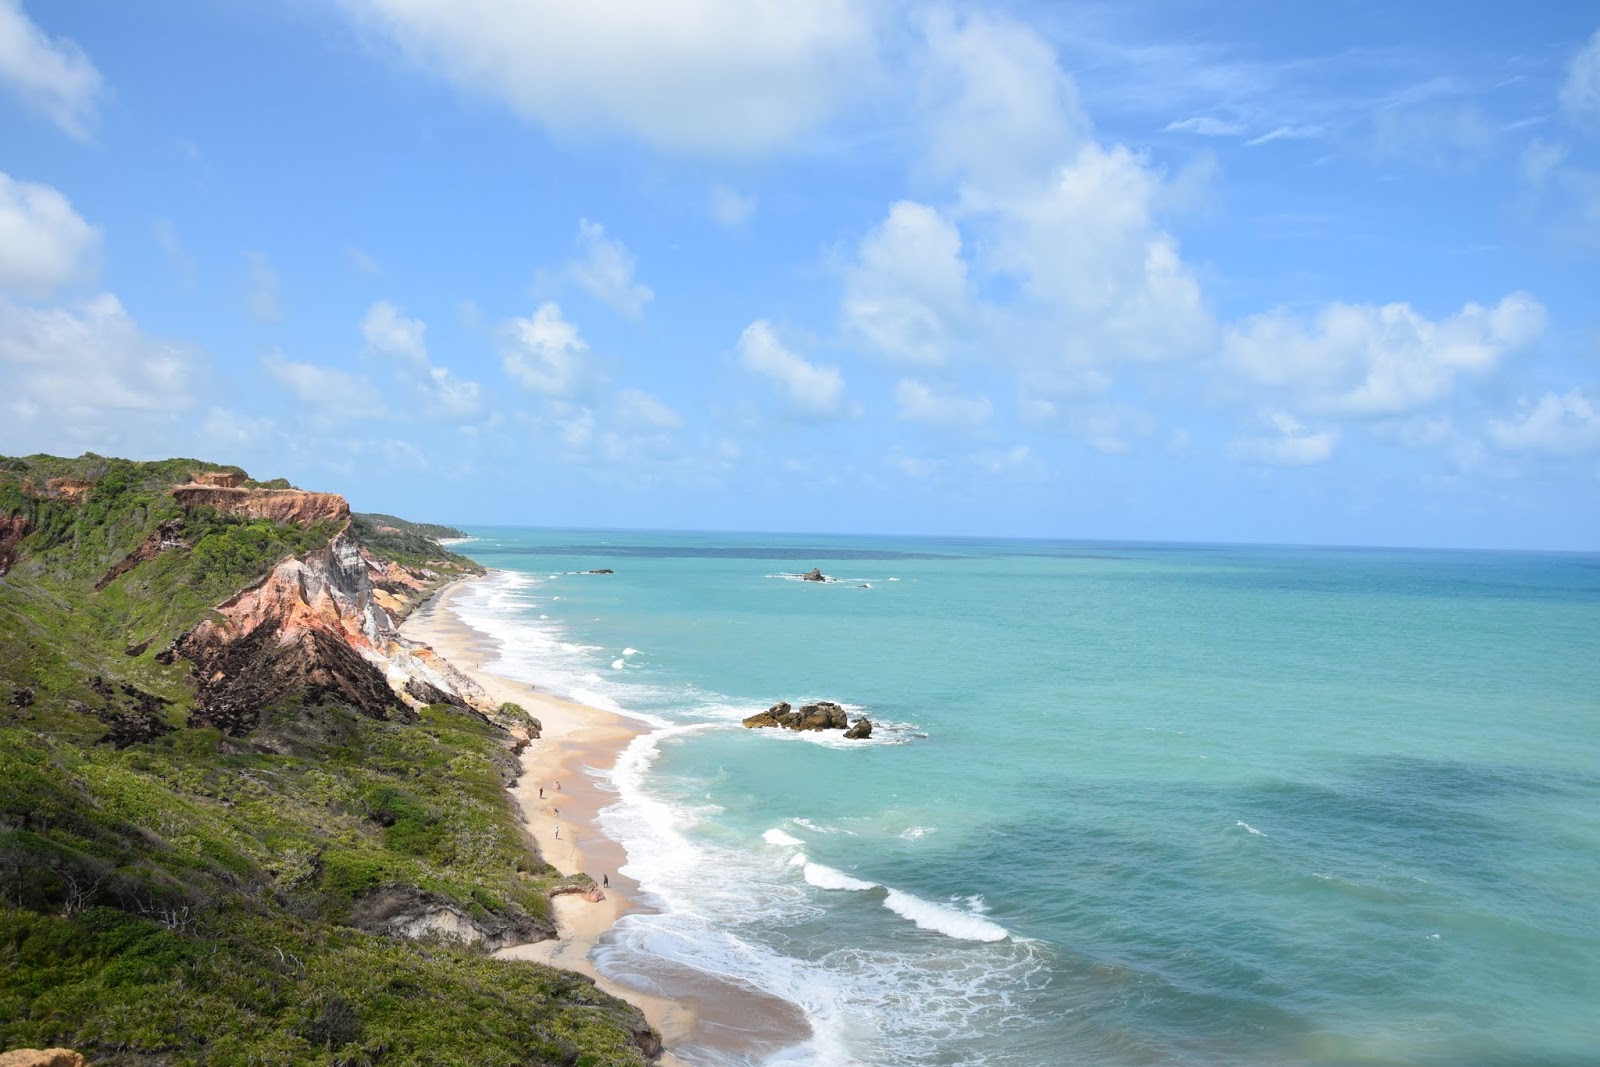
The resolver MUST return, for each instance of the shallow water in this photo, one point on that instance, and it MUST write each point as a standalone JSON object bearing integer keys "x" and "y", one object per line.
{"x": 1125, "y": 803}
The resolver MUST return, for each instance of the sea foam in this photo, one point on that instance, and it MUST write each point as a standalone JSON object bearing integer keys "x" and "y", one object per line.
{"x": 941, "y": 918}
{"x": 776, "y": 836}
{"x": 824, "y": 877}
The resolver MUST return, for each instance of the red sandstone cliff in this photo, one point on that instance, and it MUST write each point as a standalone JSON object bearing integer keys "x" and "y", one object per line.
{"x": 274, "y": 505}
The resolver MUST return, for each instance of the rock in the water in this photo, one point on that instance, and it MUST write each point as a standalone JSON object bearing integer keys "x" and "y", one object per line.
{"x": 814, "y": 575}
{"x": 860, "y": 729}
{"x": 823, "y": 715}
{"x": 603, "y": 570}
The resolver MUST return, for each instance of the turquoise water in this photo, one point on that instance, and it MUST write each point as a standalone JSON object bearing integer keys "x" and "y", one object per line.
{"x": 1126, "y": 804}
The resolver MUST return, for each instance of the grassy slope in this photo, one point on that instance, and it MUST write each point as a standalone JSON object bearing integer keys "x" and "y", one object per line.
{"x": 186, "y": 899}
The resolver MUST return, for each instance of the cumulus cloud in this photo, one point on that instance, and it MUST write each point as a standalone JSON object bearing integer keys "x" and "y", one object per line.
{"x": 1291, "y": 445}
{"x": 808, "y": 389}
{"x": 999, "y": 110}
{"x": 545, "y": 353}
{"x": 325, "y": 390}
{"x": 605, "y": 269}
{"x": 388, "y": 332}
{"x": 721, "y": 76}
{"x": 1365, "y": 360}
{"x": 44, "y": 243}
{"x": 907, "y": 291}
{"x": 919, "y": 402}
{"x": 1057, "y": 231}
{"x": 87, "y": 376}
{"x": 1580, "y": 94}
{"x": 1561, "y": 423}
{"x": 50, "y": 76}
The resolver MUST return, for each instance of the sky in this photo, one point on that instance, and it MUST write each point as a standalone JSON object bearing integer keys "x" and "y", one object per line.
{"x": 1242, "y": 272}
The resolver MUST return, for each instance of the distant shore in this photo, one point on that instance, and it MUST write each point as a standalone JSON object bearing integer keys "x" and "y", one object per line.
{"x": 702, "y": 1010}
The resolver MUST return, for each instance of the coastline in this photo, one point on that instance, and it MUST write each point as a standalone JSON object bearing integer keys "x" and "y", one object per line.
{"x": 733, "y": 1022}
{"x": 572, "y": 736}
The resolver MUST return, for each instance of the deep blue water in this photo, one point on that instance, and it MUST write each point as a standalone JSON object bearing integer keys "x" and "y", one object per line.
{"x": 1126, "y": 804}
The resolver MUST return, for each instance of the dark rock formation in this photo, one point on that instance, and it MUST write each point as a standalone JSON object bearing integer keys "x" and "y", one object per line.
{"x": 814, "y": 575}
{"x": 237, "y": 679}
{"x": 603, "y": 570}
{"x": 160, "y": 539}
{"x": 13, "y": 528}
{"x": 860, "y": 730}
{"x": 823, "y": 715}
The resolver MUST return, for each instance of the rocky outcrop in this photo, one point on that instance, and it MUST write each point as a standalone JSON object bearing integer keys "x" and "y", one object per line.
{"x": 71, "y": 488}
{"x": 860, "y": 730}
{"x": 314, "y": 625}
{"x": 823, "y": 715}
{"x": 161, "y": 539}
{"x": 41, "y": 1057}
{"x": 603, "y": 570}
{"x": 13, "y": 528}
{"x": 416, "y": 915}
{"x": 814, "y": 575}
{"x": 217, "y": 479}
{"x": 274, "y": 505}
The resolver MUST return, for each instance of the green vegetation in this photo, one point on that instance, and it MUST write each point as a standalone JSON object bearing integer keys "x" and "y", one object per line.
{"x": 411, "y": 544}
{"x": 169, "y": 895}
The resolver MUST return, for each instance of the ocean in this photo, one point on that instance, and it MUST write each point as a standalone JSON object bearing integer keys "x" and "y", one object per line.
{"x": 1124, "y": 804}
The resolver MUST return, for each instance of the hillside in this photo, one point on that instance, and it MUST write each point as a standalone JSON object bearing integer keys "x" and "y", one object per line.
{"x": 241, "y": 819}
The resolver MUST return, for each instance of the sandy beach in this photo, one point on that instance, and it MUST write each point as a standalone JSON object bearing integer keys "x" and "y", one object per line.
{"x": 576, "y": 739}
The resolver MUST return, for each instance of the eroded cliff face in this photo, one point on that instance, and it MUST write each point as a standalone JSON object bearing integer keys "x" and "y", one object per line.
{"x": 275, "y": 505}
{"x": 316, "y": 624}
{"x": 13, "y": 528}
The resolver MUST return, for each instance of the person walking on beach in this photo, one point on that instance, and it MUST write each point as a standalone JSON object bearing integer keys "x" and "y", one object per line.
{"x": 558, "y": 833}
{"x": 558, "y": 787}
{"x": 605, "y": 880}
{"x": 541, "y": 792}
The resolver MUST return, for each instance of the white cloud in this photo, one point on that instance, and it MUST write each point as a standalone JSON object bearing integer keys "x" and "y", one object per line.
{"x": 998, "y": 108}
{"x": 730, "y": 207}
{"x": 907, "y": 292}
{"x": 1559, "y": 423}
{"x": 1205, "y": 126}
{"x": 87, "y": 376}
{"x": 1102, "y": 282}
{"x": 51, "y": 77}
{"x": 807, "y": 388}
{"x": 1292, "y": 445}
{"x": 606, "y": 271}
{"x": 390, "y": 333}
{"x": 639, "y": 410}
{"x": 1288, "y": 132}
{"x": 545, "y": 352}
{"x": 327, "y": 391}
{"x": 1580, "y": 94}
{"x": 1365, "y": 360}
{"x": 261, "y": 293}
{"x": 722, "y": 76}
{"x": 387, "y": 331}
{"x": 44, "y": 243}
{"x": 919, "y": 402}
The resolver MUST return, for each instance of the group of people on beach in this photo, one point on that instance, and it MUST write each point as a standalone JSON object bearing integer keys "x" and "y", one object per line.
{"x": 605, "y": 879}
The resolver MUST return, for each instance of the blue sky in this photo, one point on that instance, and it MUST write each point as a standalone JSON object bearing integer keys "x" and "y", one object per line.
{"x": 1171, "y": 271}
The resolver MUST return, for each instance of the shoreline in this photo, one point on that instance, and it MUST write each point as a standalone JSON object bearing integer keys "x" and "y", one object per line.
{"x": 690, "y": 1009}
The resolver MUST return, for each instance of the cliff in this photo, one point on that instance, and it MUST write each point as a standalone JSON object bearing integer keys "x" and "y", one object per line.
{"x": 240, "y": 816}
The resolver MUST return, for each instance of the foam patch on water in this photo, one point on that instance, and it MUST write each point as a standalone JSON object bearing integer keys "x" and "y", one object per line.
{"x": 1252, "y": 829}
{"x": 630, "y": 652}
{"x": 942, "y": 918}
{"x": 824, "y": 877}
{"x": 776, "y": 836}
